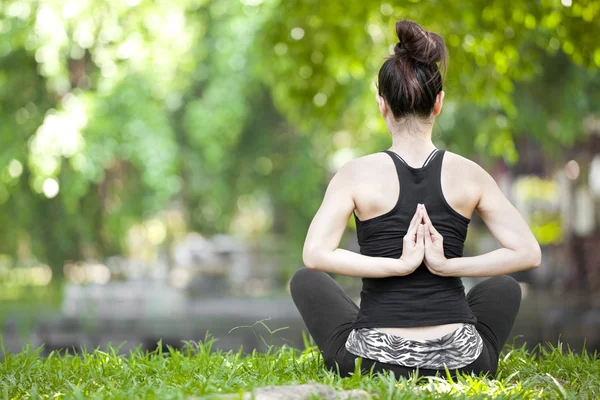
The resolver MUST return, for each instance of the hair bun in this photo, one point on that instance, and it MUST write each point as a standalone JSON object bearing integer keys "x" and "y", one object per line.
{"x": 418, "y": 44}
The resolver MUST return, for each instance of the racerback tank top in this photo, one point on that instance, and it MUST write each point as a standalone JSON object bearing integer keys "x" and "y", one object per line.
{"x": 421, "y": 298}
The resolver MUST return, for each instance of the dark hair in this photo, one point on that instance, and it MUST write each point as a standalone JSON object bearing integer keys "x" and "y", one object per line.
{"x": 411, "y": 79}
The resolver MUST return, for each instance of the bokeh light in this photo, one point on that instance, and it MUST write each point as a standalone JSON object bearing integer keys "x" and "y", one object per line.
{"x": 50, "y": 188}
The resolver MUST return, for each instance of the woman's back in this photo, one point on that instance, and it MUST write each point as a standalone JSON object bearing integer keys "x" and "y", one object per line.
{"x": 396, "y": 302}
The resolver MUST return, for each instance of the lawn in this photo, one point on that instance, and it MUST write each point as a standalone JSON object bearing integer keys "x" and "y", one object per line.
{"x": 197, "y": 371}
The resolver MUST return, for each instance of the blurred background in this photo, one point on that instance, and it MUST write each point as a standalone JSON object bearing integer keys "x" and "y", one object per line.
{"x": 160, "y": 161}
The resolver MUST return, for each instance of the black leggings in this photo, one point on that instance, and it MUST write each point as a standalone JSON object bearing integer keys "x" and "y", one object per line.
{"x": 328, "y": 313}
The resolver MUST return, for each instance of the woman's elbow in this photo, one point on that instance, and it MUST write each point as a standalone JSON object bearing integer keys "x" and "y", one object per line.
{"x": 534, "y": 256}
{"x": 309, "y": 262}
{"x": 310, "y": 257}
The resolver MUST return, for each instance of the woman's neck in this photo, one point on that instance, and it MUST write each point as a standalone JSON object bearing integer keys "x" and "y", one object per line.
{"x": 412, "y": 140}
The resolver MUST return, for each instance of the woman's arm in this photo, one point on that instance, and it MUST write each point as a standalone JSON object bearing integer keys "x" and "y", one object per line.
{"x": 520, "y": 250}
{"x": 321, "y": 250}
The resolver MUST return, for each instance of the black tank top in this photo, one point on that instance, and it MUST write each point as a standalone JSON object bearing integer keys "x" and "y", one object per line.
{"x": 421, "y": 298}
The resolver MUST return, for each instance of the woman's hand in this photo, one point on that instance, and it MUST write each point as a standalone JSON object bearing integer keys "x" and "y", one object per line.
{"x": 435, "y": 260}
{"x": 413, "y": 244}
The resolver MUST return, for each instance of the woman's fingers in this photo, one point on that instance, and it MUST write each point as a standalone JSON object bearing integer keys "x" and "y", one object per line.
{"x": 418, "y": 215}
{"x": 428, "y": 222}
{"x": 432, "y": 239}
{"x": 426, "y": 216}
{"x": 428, "y": 241}
{"x": 412, "y": 228}
{"x": 420, "y": 234}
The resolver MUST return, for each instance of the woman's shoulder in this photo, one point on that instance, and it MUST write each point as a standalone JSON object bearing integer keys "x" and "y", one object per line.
{"x": 462, "y": 166}
{"x": 367, "y": 164}
{"x": 364, "y": 171}
{"x": 473, "y": 179}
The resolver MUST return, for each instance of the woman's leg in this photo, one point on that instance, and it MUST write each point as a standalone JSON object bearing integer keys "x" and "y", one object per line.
{"x": 495, "y": 302}
{"x": 326, "y": 309}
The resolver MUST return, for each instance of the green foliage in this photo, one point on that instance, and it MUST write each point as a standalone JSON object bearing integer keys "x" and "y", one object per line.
{"x": 238, "y": 107}
{"x": 198, "y": 371}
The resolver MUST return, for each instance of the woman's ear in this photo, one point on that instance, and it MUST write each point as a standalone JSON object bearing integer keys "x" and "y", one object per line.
{"x": 437, "y": 106}
{"x": 383, "y": 109}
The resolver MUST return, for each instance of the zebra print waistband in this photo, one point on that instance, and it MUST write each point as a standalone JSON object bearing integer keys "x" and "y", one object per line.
{"x": 454, "y": 350}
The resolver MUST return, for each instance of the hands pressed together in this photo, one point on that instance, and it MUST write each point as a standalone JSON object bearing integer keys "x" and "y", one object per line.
{"x": 423, "y": 242}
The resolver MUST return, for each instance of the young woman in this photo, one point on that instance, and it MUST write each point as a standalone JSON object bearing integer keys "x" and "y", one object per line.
{"x": 412, "y": 205}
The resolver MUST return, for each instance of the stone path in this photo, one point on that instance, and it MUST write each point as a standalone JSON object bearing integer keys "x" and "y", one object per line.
{"x": 295, "y": 392}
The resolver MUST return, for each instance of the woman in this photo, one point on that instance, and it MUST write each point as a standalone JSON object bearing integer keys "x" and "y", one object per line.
{"x": 412, "y": 205}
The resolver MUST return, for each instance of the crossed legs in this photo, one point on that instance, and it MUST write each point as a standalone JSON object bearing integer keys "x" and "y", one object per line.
{"x": 329, "y": 313}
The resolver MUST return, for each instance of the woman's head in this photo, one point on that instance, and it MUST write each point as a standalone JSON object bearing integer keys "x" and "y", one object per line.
{"x": 411, "y": 79}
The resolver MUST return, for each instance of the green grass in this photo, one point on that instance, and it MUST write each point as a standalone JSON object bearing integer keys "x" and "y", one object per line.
{"x": 549, "y": 372}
